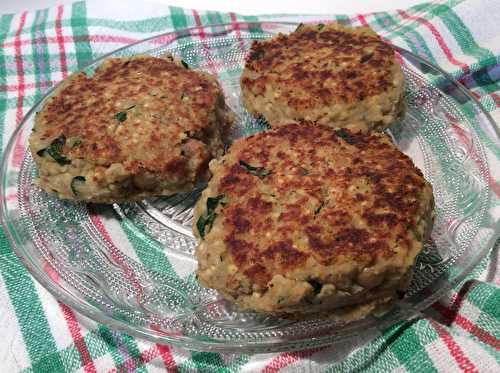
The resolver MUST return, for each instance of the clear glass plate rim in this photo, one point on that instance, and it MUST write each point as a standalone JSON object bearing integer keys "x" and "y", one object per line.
{"x": 99, "y": 316}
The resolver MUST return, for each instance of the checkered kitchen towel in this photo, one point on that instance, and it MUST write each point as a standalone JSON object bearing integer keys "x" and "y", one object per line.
{"x": 38, "y": 333}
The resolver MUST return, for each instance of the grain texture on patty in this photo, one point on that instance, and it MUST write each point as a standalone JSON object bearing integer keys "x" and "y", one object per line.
{"x": 333, "y": 75}
{"x": 138, "y": 127}
{"x": 303, "y": 219}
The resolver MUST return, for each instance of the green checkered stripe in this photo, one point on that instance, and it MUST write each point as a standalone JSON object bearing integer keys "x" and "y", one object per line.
{"x": 38, "y": 49}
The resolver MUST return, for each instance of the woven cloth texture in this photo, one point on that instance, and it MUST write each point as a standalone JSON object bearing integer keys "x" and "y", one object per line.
{"x": 461, "y": 332}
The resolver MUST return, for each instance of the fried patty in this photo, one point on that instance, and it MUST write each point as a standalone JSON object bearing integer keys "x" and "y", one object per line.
{"x": 302, "y": 219}
{"x": 333, "y": 75}
{"x": 138, "y": 127}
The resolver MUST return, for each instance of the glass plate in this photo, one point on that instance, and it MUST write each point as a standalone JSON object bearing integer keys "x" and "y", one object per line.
{"x": 131, "y": 266}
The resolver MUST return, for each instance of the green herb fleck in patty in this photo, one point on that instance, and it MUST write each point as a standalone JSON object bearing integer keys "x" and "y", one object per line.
{"x": 260, "y": 172}
{"x": 55, "y": 150}
{"x": 345, "y": 135}
{"x": 316, "y": 286}
{"x": 75, "y": 182}
{"x": 208, "y": 218}
{"x": 121, "y": 116}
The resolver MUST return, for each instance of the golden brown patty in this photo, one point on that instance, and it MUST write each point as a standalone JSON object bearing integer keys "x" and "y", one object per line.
{"x": 138, "y": 127}
{"x": 305, "y": 219}
{"x": 333, "y": 75}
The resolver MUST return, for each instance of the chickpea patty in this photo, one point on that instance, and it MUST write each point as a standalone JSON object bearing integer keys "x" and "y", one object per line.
{"x": 138, "y": 127}
{"x": 306, "y": 219}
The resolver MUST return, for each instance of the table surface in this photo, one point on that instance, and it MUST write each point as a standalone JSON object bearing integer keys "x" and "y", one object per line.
{"x": 247, "y": 7}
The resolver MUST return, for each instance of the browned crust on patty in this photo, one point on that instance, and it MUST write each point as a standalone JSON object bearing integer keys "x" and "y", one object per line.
{"x": 393, "y": 201}
{"x": 80, "y": 109}
{"x": 365, "y": 63}
{"x": 335, "y": 207}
